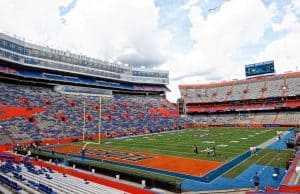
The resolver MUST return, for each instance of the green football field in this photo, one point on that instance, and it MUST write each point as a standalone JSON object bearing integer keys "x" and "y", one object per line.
{"x": 229, "y": 142}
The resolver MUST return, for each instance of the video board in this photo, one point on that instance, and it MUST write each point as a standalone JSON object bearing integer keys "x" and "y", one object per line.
{"x": 259, "y": 68}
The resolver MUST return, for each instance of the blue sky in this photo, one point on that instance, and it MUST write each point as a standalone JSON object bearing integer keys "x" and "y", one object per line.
{"x": 177, "y": 22}
{"x": 197, "y": 41}
{"x": 64, "y": 9}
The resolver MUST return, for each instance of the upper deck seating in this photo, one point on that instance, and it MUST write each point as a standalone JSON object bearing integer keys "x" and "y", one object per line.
{"x": 293, "y": 86}
{"x": 274, "y": 86}
{"x": 255, "y": 88}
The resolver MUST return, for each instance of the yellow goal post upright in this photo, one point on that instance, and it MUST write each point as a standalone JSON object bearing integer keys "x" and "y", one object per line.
{"x": 85, "y": 143}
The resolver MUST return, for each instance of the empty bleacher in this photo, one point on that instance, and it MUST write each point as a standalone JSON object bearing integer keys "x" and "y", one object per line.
{"x": 266, "y": 100}
{"x": 255, "y": 88}
{"x": 292, "y": 86}
{"x": 274, "y": 85}
{"x": 61, "y": 115}
{"x": 249, "y": 118}
{"x": 27, "y": 178}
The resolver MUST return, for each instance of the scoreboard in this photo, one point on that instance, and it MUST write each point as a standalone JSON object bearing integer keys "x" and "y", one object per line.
{"x": 259, "y": 68}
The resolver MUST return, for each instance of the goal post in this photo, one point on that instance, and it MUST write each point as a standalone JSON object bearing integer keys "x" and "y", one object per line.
{"x": 84, "y": 139}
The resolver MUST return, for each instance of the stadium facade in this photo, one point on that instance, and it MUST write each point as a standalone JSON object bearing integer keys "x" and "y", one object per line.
{"x": 40, "y": 62}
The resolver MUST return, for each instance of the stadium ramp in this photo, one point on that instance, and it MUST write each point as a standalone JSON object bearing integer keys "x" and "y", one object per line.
{"x": 271, "y": 143}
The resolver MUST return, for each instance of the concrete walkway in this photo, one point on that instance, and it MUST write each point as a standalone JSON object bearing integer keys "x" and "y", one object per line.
{"x": 272, "y": 140}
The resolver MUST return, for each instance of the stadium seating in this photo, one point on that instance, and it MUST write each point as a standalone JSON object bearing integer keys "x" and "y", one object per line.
{"x": 274, "y": 86}
{"x": 61, "y": 115}
{"x": 249, "y": 118}
{"x": 292, "y": 86}
{"x": 254, "y": 88}
{"x": 265, "y": 99}
{"x": 27, "y": 178}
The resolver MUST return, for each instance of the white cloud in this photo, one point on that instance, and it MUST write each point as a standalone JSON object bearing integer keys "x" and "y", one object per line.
{"x": 189, "y": 4}
{"x": 122, "y": 30}
{"x": 285, "y": 49}
{"x": 289, "y": 22}
{"x": 34, "y": 19}
{"x": 129, "y": 31}
{"x": 296, "y": 6}
{"x": 219, "y": 40}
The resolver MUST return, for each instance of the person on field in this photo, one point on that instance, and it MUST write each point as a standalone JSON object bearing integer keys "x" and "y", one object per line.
{"x": 276, "y": 172}
{"x": 279, "y": 135}
{"x": 195, "y": 149}
{"x": 252, "y": 150}
{"x": 214, "y": 151}
{"x": 208, "y": 151}
{"x": 256, "y": 181}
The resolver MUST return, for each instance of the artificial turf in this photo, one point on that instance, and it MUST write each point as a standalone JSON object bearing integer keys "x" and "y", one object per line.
{"x": 229, "y": 142}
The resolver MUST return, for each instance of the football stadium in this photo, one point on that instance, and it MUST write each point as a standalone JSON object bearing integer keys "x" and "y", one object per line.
{"x": 67, "y": 119}
{"x": 70, "y": 123}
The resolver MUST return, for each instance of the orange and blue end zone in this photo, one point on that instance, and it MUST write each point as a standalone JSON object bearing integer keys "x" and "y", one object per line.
{"x": 188, "y": 166}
